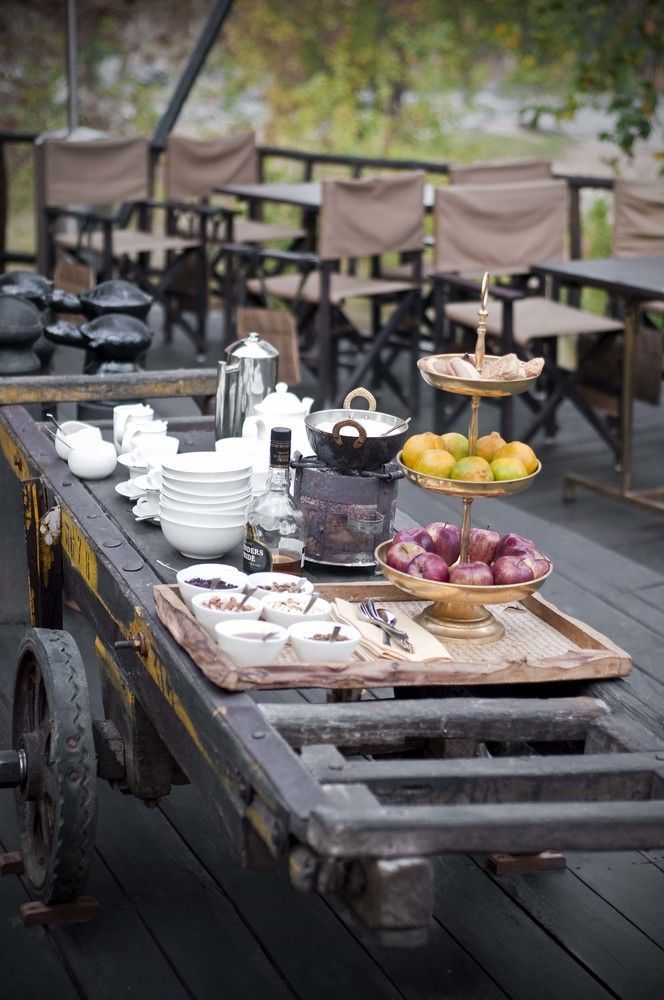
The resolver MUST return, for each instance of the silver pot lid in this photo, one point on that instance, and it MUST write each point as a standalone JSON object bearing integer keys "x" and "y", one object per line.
{"x": 252, "y": 347}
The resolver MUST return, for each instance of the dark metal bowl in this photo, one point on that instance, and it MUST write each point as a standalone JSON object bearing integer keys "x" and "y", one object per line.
{"x": 350, "y": 452}
{"x": 115, "y": 296}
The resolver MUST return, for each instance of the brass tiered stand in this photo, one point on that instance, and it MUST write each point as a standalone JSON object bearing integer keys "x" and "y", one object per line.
{"x": 458, "y": 611}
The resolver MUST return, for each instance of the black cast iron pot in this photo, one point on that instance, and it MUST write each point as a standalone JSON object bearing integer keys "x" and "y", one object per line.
{"x": 107, "y": 339}
{"x": 365, "y": 445}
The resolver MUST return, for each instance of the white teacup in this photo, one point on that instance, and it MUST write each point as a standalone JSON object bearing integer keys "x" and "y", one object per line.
{"x": 122, "y": 413}
{"x": 153, "y": 428}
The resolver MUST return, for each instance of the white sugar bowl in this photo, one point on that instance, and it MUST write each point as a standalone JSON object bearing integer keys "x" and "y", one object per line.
{"x": 95, "y": 461}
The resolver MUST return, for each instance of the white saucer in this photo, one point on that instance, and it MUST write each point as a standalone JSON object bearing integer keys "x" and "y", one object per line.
{"x": 143, "y": 485}
{"x": 137, "y": 512}
{"x": 129, "y": 490}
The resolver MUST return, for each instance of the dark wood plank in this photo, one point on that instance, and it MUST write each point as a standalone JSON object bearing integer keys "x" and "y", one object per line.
{"x": 512, "y": 947}
{"x": 317, "y": 957}
{"x": 593, "y": 931}
{"x": 188, "y": 916}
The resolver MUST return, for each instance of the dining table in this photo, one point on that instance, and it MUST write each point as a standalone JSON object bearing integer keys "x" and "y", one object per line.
{"x": 633, "y": 281}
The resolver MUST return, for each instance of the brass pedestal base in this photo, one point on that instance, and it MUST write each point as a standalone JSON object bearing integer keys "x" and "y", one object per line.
{"x": 469, "y": 622}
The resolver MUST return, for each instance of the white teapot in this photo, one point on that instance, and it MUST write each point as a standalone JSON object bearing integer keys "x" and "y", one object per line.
{"x": 280, "y": 408}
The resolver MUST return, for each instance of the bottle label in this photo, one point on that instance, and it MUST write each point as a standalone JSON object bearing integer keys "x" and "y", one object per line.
{"x": 280, "y": 453}
{"x": 256, "y": 557}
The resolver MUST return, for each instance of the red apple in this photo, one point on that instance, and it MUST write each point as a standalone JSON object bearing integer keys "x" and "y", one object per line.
{"x": 537, "y": 562}
{"x": 511, "y": 544}
{"x": 417, "y": 535}
{"x": 512, "y": 569}
{"x": 482, "y": 545}
{"x": 400, "y": 554}
{"x": 474, "y": 574}
{"x": 429, "y": 566}
{"x": 446, "y": 539}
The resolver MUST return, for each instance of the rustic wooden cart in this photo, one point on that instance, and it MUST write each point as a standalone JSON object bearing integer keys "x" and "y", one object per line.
{"x": 352, "y": 798}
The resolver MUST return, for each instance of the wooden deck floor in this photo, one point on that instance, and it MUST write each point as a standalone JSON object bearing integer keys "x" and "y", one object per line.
{"x": 182, "y": 920}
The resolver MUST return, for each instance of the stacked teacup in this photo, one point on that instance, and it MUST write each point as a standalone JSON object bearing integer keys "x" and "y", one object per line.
{"x": 203, "y": 502}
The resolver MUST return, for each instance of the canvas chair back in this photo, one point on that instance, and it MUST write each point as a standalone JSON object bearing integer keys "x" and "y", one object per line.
{"x": 94, "y": 172}
{"x": 503, "y": 228}
{"x": 194, "y": 167}
{"x": 370, "y": 217}
{"x": 506, "y": 172}
{"x": 638, "y": 227}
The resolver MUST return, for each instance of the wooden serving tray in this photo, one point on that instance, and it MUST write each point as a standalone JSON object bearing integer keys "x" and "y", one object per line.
{"x": 540, "y": 644}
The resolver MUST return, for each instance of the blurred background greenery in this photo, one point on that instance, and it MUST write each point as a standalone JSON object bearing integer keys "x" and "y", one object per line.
{"x": 432, "y": 79}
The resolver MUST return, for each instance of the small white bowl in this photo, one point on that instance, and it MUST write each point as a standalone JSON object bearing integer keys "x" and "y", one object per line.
{"x": 183, "y": 491}
{"x": 74, "y": 434}
{"x": 193, "y": 519}
{"x": 197, "y": 542}
{"x": 206, "y": 501}
{"x": 273, "y": 612}
{"x": 149, "y": 446}
{"x": 209, "y": 571}
{"x": 209, "y": 617}
{"x": 310, "y": 650}
{"x": 93, "y": 460}
{"x": 260, "y": 583}
{"x": 250, "y": 652}
{"x": 238, "y": 484}
{"x": 182, "y": 507}
{"x": 207, "y": 466}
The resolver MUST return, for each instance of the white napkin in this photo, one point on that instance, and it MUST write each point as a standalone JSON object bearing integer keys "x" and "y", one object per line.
{"x": 426, "y": 646}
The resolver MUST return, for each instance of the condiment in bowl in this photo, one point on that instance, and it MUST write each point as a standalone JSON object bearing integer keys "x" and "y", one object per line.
{"x": 287, "y": 609}
{"x": 251, "y": 644}
{"x": 317, "y": 642}
{"x": 265, "y": 584}
{"x": 204, "y": 578}
{"x": 220, "y": 606}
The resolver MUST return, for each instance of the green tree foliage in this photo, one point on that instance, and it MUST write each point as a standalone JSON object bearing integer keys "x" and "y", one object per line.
{"x": 377, "y": 76}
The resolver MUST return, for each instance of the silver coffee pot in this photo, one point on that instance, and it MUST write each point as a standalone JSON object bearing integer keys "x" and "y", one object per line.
{"x": 243, "y": 380}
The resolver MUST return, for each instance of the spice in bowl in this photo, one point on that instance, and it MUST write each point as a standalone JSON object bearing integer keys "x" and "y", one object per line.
{"x": 211, "y": 584}
{"x": 328, "y": 637}
{"x": 231, "y": 604}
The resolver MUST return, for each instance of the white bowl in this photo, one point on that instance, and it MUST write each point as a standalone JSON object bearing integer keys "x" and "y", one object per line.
{"x": 120, "y": 415}
{"x": 209, "y": 617}
{"x": 179, "y": 507}
{"x": 217, "y": 488}
{"x": 73, "y": 434}
{"x": 260, "y": 583}
{"x": 310, "y": 650}
{"x": 274, "y": 612}
{"x": 206, "y": 500}
{"x": 250, "y": 652}
{"x": 209, "y": 496}
{"x": 208, "y": 571}
{"x": 195, "y": 520}
{"x": 197, "y": 542}
{"x": 94, "y": 460}
{"x": 207, "y": 466}
{"x": 145, "y": 446}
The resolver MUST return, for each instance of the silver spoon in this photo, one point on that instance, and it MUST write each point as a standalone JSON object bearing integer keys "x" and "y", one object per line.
{"x": 310, "y": 603}
{"x": 397, "y": 427}
{"x": 60, "y": 440}
{"x": 59, "y": 426}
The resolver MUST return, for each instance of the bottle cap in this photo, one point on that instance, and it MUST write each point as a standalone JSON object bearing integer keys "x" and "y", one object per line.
{"x": 280, "y": 434}
{"x": 280, "y": 447}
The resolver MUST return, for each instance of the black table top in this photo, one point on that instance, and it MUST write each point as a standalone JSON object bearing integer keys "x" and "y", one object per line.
{"x": 303, "y": 194}
{"x": 640, "y": 277}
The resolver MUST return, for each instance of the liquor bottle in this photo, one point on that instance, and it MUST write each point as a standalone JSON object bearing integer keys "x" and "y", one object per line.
{"x": 274, "y": 538}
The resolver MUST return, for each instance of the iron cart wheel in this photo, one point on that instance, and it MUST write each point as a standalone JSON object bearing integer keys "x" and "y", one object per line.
{"x": 52, "y": 732}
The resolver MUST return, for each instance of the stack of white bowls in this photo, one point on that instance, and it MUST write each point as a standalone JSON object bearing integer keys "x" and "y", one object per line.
{"x": 203, "y": 502}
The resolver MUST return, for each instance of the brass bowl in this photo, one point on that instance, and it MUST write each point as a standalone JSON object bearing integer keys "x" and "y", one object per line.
{"x": 485, "y": 387}
{"x": 457, "y": 611}
{"x": 462, "y": 488}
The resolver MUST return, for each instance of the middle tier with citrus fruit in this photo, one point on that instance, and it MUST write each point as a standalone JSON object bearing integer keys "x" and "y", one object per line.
{"x": 443, "y": 463}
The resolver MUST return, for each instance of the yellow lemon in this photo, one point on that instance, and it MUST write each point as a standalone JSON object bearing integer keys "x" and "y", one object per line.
{"x": 416, "y": 445}
{"x": 508, "y": 468}
{"x": 473, "y": 470}
{"x": 456, "y": 444}
{"x": 488, "y": 445}
{"x": 517, "y": 449}
{"x": 435, "y": 462}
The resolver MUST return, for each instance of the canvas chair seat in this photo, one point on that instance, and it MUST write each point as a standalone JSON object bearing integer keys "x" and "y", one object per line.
{"x": 255, "y": 231}
{"x": 342, "y": 287}
{"x": 125, "y": 242}
{"x": 533, "y": 318}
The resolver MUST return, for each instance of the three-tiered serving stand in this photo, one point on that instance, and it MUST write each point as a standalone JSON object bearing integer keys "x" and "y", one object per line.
{"x": 459, "y": 611}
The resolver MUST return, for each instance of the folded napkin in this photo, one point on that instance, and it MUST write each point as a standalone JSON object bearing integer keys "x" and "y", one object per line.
{"x": 371, "y": 647}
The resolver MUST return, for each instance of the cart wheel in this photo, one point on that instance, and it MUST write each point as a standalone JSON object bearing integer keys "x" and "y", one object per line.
{"x": 52, "y": 732}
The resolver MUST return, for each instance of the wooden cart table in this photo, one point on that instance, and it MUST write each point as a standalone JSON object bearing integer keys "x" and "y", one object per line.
{"x": 347, "y": 798}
